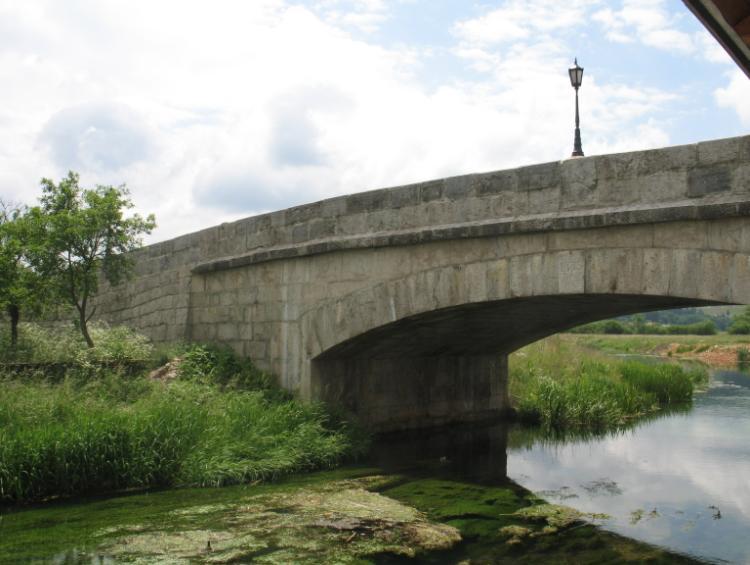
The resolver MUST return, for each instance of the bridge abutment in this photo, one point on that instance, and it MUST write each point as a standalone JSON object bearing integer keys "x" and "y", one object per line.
{"x": 404, "y": 393}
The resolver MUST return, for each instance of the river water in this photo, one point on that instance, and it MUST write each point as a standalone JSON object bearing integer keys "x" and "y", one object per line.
{"x": 680, "y": 482}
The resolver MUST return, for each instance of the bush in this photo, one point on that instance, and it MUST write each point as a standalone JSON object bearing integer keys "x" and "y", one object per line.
{"x": 613, "y": 327}
{"x": 698, "y": 328}
{"x": 740, "y": 327}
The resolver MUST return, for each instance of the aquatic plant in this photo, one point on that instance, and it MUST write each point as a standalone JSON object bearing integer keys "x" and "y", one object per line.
{"x": 558, "y": 385}
{"x": 743, "y": 357}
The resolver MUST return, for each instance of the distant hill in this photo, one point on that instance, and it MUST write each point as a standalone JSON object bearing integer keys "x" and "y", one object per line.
{"x": 719, "y": 315}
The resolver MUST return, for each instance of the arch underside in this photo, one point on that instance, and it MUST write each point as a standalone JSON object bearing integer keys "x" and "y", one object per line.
{"x": 497, "y": 327}
{"x": 451, "y": 364}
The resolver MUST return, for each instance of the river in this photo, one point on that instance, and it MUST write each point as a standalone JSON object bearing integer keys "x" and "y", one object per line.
{"x": 680, "y": 482}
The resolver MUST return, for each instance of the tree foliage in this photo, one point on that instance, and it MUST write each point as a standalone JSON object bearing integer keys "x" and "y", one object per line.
{"x": 86, "y": 236}
{"x": 21, "y": 287}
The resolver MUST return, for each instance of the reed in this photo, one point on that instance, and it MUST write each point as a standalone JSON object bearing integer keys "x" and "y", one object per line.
{"x": 221, "y": 421}
{"x": 561, "y": 386}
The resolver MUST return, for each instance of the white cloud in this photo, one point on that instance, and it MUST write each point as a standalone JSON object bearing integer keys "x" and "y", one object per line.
{"x": 363, "y": 15}
{"x": 735, "y": 96}
{"x": 211, "y": 113}
{"x": 649, "y": 22}
{"x": 522, "y": 19}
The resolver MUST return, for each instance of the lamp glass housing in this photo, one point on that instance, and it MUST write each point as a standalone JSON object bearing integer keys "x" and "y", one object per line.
{"x": 576, "y": 75}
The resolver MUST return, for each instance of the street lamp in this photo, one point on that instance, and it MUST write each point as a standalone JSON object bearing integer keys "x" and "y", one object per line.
{"x": 576, "y": 78}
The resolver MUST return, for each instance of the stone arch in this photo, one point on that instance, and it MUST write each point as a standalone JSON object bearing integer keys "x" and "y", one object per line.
{"x": 426, "y": 347}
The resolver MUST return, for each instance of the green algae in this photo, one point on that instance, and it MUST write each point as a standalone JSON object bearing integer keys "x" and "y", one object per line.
{"x": 556, "y": 515}
{"x": 325, "y": 521}
{"x": 351, "y": 515}
{"x": 503, "y": 523}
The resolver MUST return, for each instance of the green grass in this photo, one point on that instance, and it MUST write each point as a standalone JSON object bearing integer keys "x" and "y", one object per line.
{"x": 221, "y": 421}
{"x": 649, "y": 344}
{"x": 560, "y": 386}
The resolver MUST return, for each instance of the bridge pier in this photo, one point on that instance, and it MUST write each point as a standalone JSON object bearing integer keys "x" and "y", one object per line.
{"x": 404, "y": 393}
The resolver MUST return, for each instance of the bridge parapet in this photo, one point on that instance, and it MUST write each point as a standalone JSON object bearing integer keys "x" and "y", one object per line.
{"x": 627, "y": 188}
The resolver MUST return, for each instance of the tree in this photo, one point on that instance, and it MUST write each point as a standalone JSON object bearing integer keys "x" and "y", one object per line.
{"x": 21, "y": 287}
{"x": 86, "y": 236}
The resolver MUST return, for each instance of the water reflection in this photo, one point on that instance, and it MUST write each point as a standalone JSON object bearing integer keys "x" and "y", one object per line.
{"x": 681, "y": 481}
{"x": 477, "y": 454}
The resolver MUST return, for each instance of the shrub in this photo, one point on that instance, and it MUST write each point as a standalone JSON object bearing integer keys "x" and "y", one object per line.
{"x": 740, "y": 327}
{"x": 613, "y": 327}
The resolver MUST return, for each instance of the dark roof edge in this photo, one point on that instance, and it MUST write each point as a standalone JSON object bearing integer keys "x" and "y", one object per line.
{"x": 712, "y": 19}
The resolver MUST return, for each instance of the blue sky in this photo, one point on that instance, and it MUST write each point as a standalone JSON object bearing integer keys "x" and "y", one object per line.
{"x": 215, "y": 111}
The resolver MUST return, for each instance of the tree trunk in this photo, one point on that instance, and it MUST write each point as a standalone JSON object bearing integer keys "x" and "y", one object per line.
{"x": 85, "y": 327}
{"x": 15, "y": 314}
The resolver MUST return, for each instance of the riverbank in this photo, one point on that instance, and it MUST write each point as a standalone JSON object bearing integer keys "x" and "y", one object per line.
{"x": 721, "y": 350}
{"x": 212, "y": 420}
{"x": 560, "y": 385}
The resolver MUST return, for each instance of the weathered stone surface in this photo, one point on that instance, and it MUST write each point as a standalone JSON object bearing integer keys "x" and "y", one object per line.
{"x": 399, "y": 302}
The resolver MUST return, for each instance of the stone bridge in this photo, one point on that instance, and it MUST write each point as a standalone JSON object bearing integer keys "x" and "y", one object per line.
{"x": 402, "y": 304}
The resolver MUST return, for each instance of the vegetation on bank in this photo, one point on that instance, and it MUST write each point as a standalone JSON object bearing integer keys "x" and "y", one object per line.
{"x": 557, "y": 384}
{"x": 640, "y": 327}
{"x": 99, "y": 427}
{"x": 741, "y": 323}
{"x": 685, "y": 321}
{"x": 665, "y": 346}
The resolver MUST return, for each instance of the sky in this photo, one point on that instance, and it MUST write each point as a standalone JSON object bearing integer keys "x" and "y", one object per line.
{"x": 213, "y": 111}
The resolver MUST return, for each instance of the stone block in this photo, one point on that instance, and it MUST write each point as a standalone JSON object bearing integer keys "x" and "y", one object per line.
{"x": 227, "y": 332}
{"x": 614, "y": 271}
{"x": 570, "y": 271}
{"x": 685, "y": 235}
{"x": 524, "y": 272}
{"x": 728, "y": 235}
{"x": 430, "y": 191}
{"x": 535, "y": 177}
{"x": 300, "y": 233}
{"x": 578, "y": 179}
{"x": 522, "y": 244}
{"x": 668, "y": 159}
{"x": 459, "y": 188}
{"x": 498, "y": 280}
{"x": 684, "y": 280}
{"x": 364, "y": 202}
{"x": 490, "y": 184}
{"x": 740, "y": 179}
{"x": 740, "y": 287}
{"x": 657, "y": 269}
{"x": 509, "y": 204}
{"x": 716, "y": 269}
{"x": 708, "y": 180}
{"x": 719, "y": 151}
{"x": 320, "y": 228}
{"x": 545, "y": 200}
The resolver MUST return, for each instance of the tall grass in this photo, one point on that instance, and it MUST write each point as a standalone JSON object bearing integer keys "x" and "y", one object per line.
{"x": 221, "y": 421}
{"x": 561, "y": 386}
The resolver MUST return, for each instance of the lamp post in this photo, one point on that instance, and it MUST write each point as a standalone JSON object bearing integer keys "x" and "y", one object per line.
{"x": 576, "y": 78}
